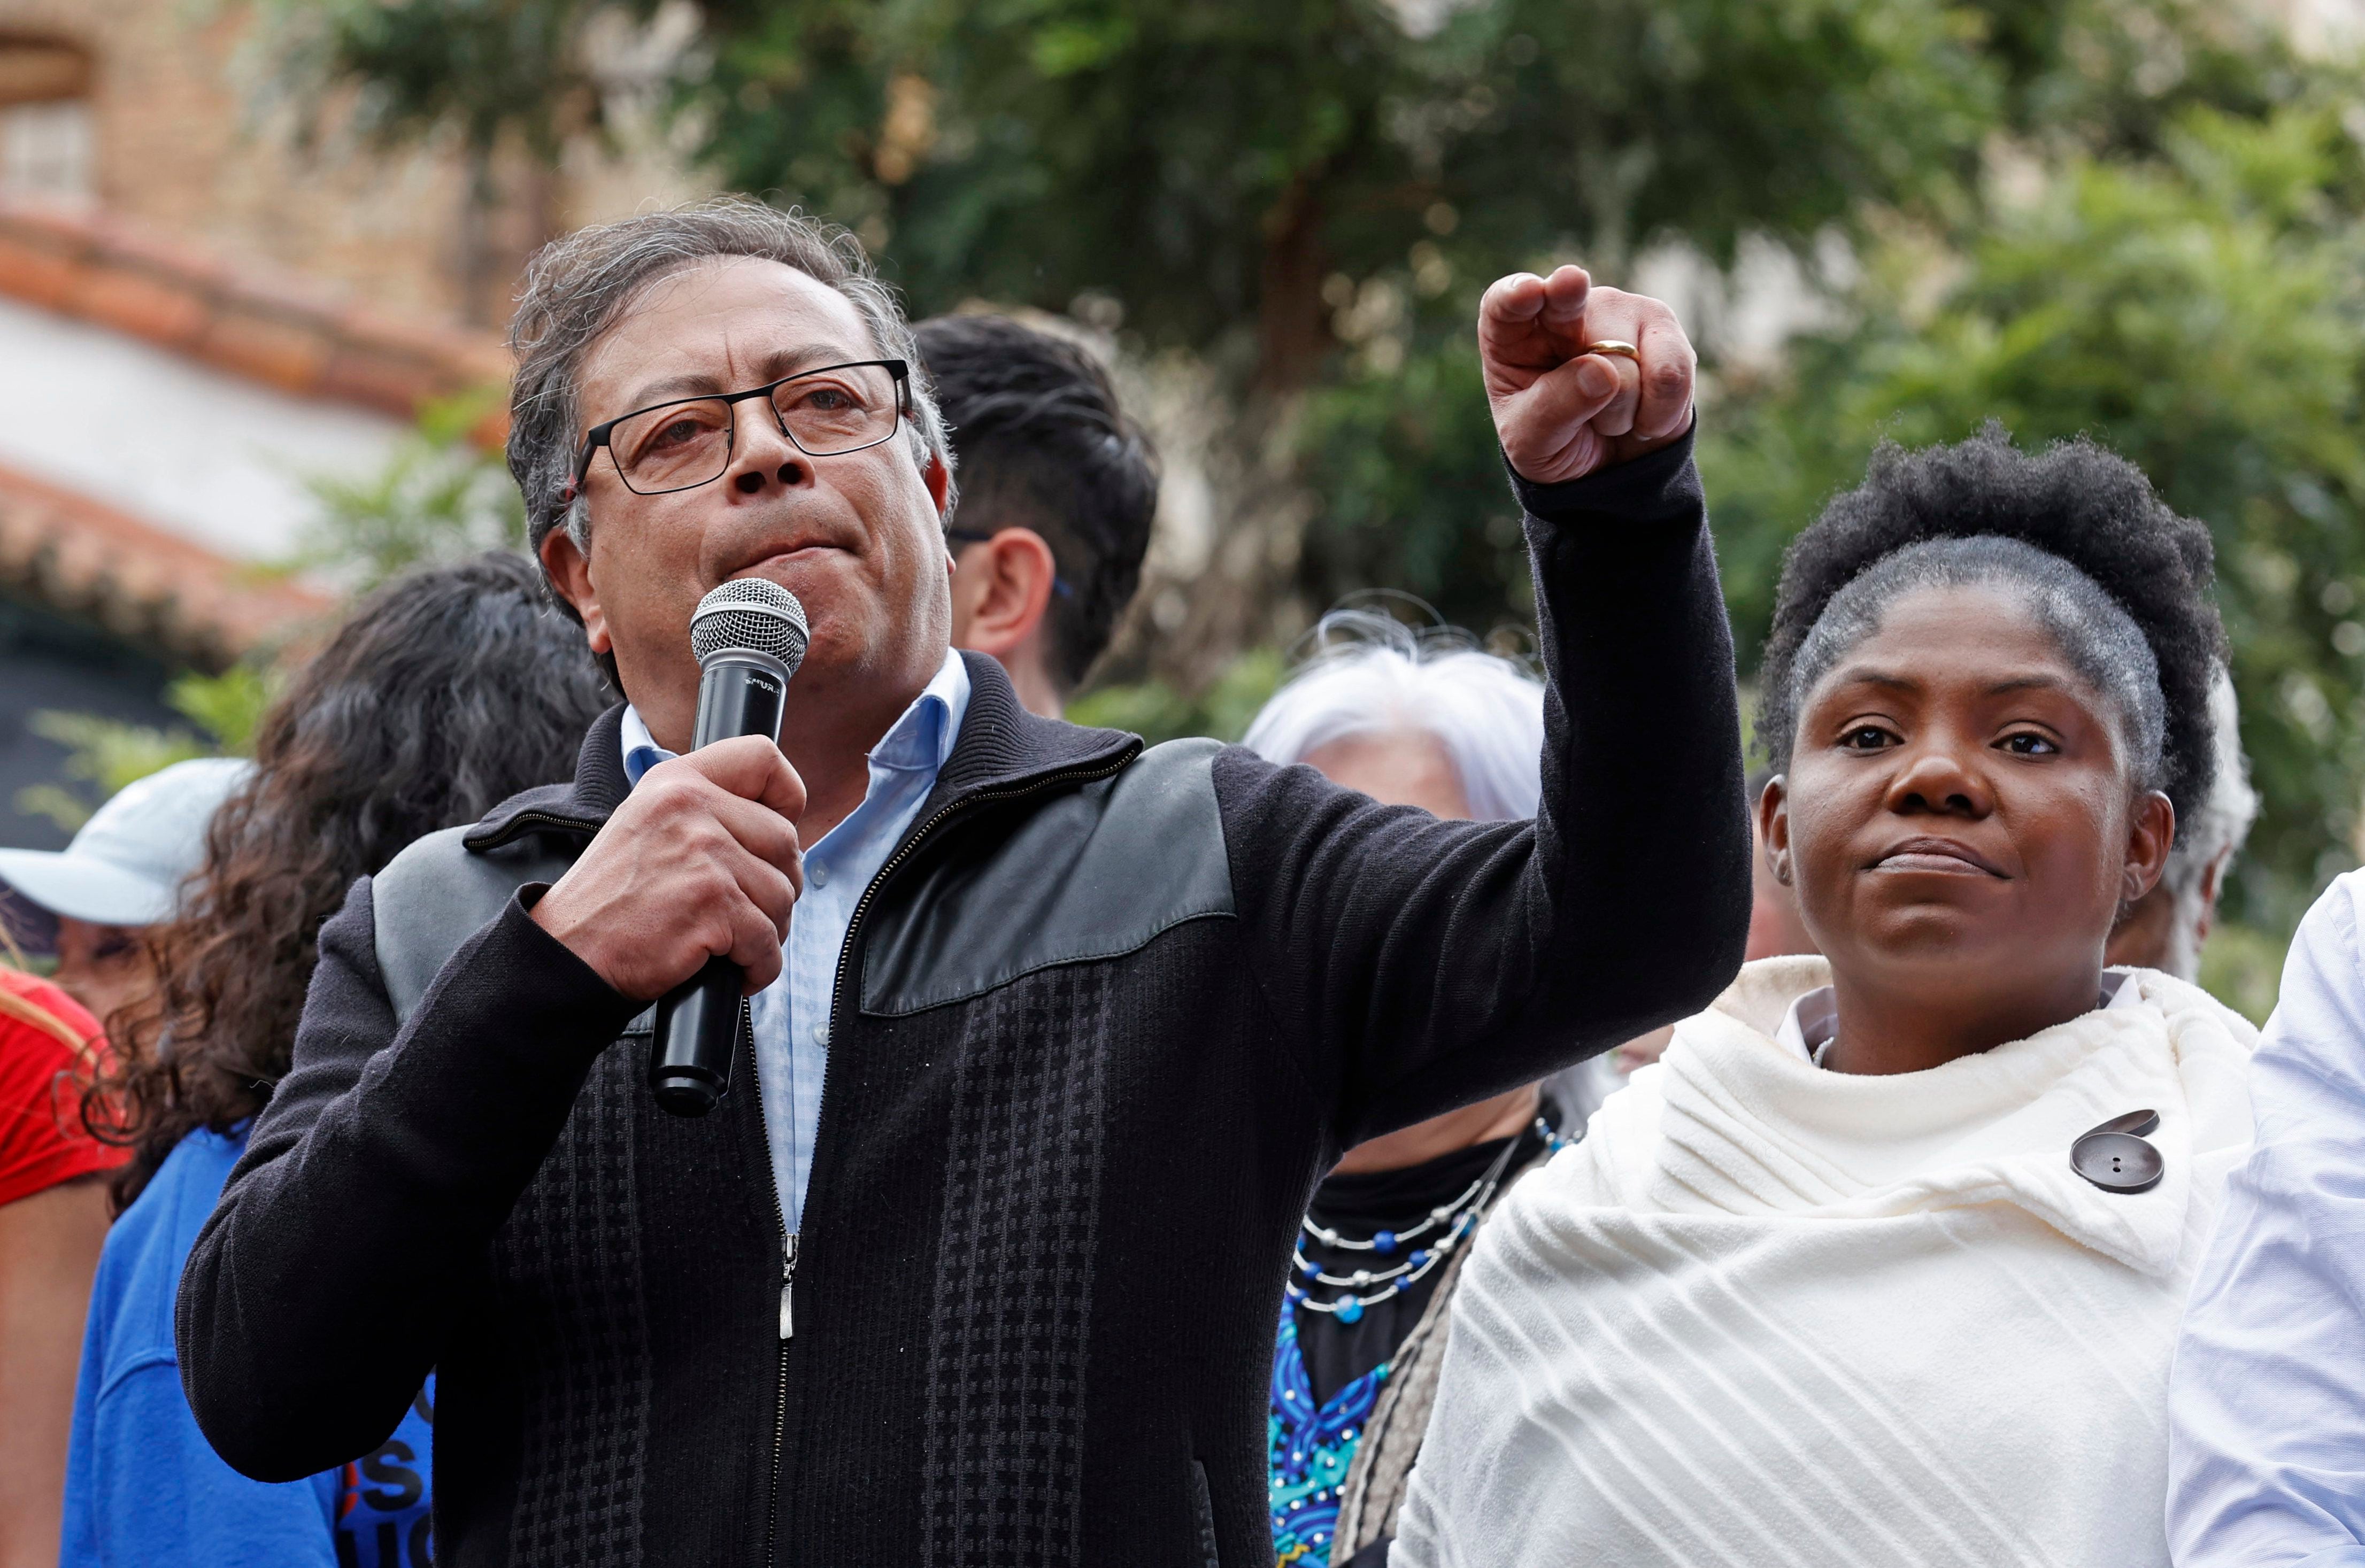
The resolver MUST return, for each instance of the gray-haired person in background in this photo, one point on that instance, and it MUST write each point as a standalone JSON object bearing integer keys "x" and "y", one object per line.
{"x": 2165, "y": 929}
{"x": 1411, "y": 719}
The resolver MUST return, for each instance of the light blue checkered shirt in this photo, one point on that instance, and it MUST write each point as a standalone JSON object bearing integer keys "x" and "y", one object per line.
{"x": 791, "y": 1014}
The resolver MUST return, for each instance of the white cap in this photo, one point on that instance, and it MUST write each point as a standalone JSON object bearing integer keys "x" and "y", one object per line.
{"x": 126, "y": 866}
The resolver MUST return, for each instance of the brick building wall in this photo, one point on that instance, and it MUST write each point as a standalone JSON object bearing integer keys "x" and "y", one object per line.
{"x": 184, "y": 139}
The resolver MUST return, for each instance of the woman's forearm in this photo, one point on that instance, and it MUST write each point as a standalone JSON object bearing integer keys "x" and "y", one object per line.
{"x": 49, "y": 1251}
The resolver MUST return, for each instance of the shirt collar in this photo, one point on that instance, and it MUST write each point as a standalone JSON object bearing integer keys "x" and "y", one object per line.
{"x": 1813, "y": 1020}
{"x": 641, "y": 749}
{"x": 920, "y": 739}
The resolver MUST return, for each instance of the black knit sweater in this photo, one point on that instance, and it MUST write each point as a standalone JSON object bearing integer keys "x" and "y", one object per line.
{"x": 1054, "y": 1187}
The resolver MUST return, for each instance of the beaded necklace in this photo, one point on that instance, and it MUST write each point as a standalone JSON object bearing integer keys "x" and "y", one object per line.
{"x": 1459, "y": 1217}
{"x": 1310, "y": 1446}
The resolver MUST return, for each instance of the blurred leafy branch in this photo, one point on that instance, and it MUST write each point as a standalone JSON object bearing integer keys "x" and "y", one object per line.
{"x": 104, "y": 755}
{"x": 439, "y": 494}
{"x": 442, "y": 493}
{"x": 485, "y": 69}
{"x": 1156, "y": 712}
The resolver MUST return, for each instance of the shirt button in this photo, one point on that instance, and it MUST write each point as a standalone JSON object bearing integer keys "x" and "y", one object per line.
{"x": 821, "y": 1034}
{"x": 2117, "y": 1163}
{"x": 817, "y": 875}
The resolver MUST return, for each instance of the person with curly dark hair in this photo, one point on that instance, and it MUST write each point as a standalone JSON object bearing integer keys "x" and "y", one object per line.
{"x": 1888, "y": 1252}
{"x": 2079, "y": 503}
{"x": 442, "y": 693}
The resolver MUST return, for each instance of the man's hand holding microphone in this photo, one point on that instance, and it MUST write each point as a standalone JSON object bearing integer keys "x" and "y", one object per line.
{"x": 701, "y": 861}
{"x": 684, "y": 896}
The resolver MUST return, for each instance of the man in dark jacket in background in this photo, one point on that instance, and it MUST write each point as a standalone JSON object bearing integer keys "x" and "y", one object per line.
{"x": 1000, "y": 1288}
{"x": 1058, "y": 491}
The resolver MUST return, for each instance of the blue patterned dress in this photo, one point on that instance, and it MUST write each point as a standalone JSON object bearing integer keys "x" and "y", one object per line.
{"x": 1310, "y": 1450}
{"x": 1311, "y": 1444}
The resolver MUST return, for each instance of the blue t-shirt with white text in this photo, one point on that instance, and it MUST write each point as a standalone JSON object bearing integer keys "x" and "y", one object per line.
{"x": 143, "y": 1487}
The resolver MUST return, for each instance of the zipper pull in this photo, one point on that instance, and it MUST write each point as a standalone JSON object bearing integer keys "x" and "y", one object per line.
{"x": 788, "y": 1281}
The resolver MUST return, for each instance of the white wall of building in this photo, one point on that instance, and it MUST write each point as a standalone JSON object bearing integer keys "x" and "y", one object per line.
{"x": 215, "y": 458}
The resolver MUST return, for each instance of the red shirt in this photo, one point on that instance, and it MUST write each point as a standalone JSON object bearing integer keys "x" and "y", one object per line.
{"x": 41, "y": 1138}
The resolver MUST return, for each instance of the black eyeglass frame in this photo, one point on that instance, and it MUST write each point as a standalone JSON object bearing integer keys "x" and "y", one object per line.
{"x": 598, "y": 435}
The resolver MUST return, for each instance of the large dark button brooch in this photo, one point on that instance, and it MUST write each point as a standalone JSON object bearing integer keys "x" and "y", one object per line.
{"x": 2117, "y": 1157}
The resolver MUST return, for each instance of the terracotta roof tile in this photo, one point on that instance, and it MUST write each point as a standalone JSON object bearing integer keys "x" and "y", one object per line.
{"x": 278, "y": 353}
{"x": 161, "y": 309}
{"x": 145, "y": 585}
{"x": 255, "y": 321}
{"x": 34, "y": 269}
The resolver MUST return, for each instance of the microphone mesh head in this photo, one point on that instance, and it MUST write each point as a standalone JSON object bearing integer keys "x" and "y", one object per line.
{"x": 752, "y": 614}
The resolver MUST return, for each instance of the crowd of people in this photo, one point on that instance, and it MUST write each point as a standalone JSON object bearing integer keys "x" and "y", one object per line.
{"x": 1464, "y": 1124}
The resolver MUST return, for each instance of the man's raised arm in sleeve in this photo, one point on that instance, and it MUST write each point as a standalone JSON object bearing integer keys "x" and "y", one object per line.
{"x": 1427, "y": 964}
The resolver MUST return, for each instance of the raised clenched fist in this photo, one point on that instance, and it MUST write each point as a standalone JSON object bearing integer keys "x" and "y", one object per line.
{"x": 1560, "y": 412}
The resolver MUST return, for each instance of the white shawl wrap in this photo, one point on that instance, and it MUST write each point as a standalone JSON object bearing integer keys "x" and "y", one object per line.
{"x": 1766, "y": 1314}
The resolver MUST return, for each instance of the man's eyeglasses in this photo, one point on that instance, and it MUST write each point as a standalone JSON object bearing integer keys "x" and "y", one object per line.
{"x": 686, "y": 442}
{"x": 1060, "y": 585}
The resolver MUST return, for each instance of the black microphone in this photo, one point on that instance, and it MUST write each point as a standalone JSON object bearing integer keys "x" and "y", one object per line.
{"x": 749, "y": 637}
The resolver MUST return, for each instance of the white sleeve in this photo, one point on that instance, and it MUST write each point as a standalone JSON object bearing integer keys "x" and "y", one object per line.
{"x": 2267, "y": 1398}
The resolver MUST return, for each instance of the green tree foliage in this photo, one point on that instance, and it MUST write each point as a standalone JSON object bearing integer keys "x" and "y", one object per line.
{"x": 1156, "y": 711}
{"x": 440, "y": 495}
{"x": 1209, "y": 167}
{"x": 489, "y": 71}
{"x": 1206, "y": 170}
{"x": 104, "y": 755}
{"x": 1414, "y": 494}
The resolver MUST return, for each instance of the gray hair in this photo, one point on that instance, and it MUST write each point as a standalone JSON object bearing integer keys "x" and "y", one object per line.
{"x": 2213, "y": 835}
{"x": 578, "y": 287}
{"x": 1370, "y": 673}
{"x": 2098, "y": 638}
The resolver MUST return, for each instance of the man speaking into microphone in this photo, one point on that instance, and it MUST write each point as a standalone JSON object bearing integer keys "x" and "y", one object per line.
{"x": 978, "y": 1261}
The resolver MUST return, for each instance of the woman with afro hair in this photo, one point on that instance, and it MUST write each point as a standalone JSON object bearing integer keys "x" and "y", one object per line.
{"x": 1883, "y": 1262}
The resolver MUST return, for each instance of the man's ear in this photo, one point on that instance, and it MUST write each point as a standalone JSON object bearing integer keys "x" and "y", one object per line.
{"x": 939, "y": 480}
{"x": 2150, "y": 835}
{"x": 1774, "y": 826}
{"x": 570, "y": 572}
{"x": 1002, "y": 590}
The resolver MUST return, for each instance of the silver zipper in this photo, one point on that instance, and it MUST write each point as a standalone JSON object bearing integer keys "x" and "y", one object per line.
{"x": 533, "y": 821}
{"x": 788, "y": 1272}
{"x": 837, "y": 989}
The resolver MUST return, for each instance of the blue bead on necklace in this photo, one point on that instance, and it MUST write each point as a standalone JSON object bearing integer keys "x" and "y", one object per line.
{"x": 1355, "y": 1290}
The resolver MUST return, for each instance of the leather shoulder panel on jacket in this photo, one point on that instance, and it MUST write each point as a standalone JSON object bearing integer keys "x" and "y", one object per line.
{"x": 435, "y": 895}
{"x": 1094, "y": 873}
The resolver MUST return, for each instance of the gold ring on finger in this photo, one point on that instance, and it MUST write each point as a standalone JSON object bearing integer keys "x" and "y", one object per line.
{"x": 1611, "y": 345}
